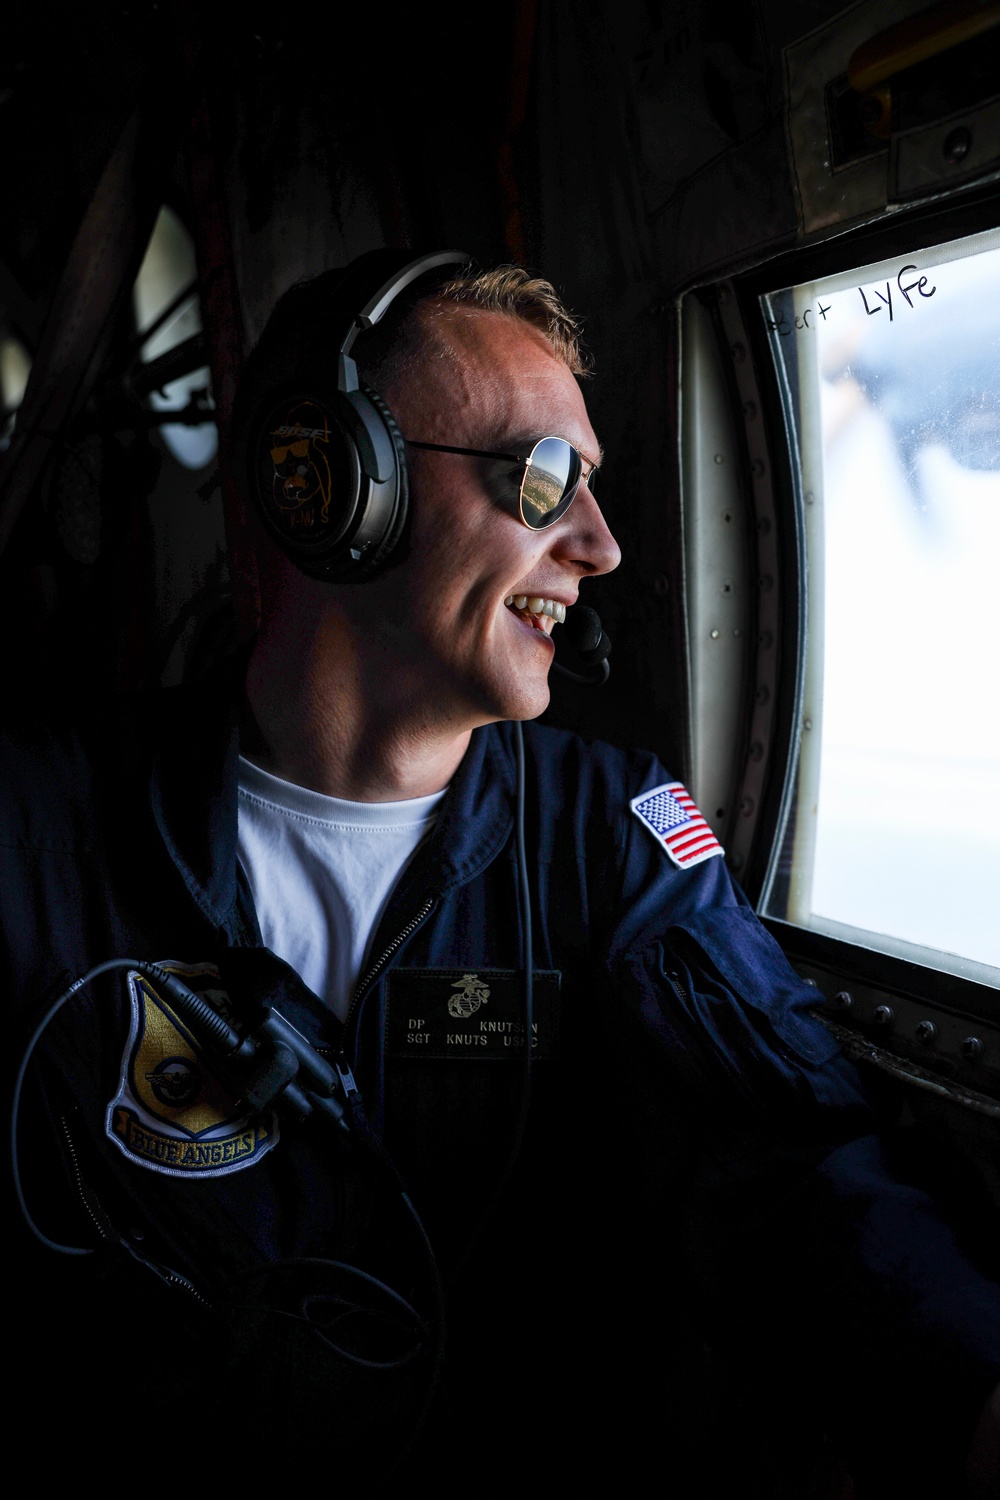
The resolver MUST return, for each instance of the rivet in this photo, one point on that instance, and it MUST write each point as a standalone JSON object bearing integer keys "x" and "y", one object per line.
{"x": 809, "y": 497}
{"x": 883, "y": 1015}
{"x": 725, "y": 295}
{"x": 765, "y": 583}
{"x": 971, "y": 1048}
{"x": 739, "y": 353}
{"x": 719, "y": 458}
{"x": 807, "y": 723}
{"x": 926, "y": 1032}
{"x": 661, "y": 584}
{"x": 746, "y": 806}
{"x": 727, "y": 588}
{"x": 749, "y": 410}
{"x": 727, "y": 516}
{"x": 735, "y": 861}
{"x": 757, "y": 468}
{"x": 765, "y": 640}
{"x": 763, "y": 694}
{"x": 756, "y": 750}
{"x": 958, "y": 143}
{"x": 714, "y": 634}
{"x": 736, "y": 634}
{"x": 842, "y": 1000}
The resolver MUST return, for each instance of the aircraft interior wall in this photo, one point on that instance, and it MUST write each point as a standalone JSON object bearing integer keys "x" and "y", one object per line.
{"x": 605, "y": 145}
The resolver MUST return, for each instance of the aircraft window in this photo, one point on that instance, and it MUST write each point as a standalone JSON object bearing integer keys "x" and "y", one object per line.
{"x": 890, "y": 379}
{"x": 15, "y": 366}
{"x": 166, "y": 303}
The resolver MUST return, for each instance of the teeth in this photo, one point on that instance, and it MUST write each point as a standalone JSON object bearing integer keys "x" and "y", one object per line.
{"x": 536, "y": 605}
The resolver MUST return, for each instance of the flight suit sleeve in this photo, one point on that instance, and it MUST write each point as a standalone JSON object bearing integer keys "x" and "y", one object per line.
{"x": 803, "y": 1218}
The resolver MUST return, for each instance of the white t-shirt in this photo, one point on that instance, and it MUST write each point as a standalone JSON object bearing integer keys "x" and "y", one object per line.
{"x": 321, "y": 871}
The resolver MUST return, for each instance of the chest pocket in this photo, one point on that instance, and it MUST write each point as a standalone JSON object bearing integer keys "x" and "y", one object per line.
{"x": 454, "y": 1015}
{"x": 454, "y": 1084}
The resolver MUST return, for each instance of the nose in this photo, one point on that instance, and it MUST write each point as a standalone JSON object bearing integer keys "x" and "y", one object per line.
{"x": 586, "y": 540}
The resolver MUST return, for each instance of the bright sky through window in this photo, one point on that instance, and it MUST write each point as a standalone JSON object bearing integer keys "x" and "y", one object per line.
{"x": 169, "y": 267}
{"x": 892, "y": 379}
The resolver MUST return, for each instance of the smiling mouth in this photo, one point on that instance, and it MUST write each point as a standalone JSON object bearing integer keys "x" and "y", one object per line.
{"x": 540, "y": 614}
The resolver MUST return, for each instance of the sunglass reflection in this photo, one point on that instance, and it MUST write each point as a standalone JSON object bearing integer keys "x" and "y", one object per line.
{"x": 548, "y": 482}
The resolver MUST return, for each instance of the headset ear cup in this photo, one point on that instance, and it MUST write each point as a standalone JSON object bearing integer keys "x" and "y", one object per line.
{"x": 306, "y": 477}
{"x": 328, "y": 472}
{"x": 326, "y": 463}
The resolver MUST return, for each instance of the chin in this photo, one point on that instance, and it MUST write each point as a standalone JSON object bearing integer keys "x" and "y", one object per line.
{"x": 526, "y": 701}
{"x": 504, "y": 688}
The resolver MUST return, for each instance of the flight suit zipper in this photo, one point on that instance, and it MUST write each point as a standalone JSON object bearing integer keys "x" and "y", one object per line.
{"x": 352, "y": 1094}
{"x": 368, "y": 979}
{"x": 678, "y": 988}
{"x": 95, "y": 1212}
{"x": 107, "y": 1231}
{"x": 174, "y": 1278}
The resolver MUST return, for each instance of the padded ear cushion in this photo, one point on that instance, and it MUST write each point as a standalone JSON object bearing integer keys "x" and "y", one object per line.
{"x": 304, "y": 471}
{"x": 383, "y": 553}
{"x": 329, "y": 476}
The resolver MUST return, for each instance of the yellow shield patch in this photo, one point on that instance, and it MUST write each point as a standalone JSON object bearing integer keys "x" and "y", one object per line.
{"x": 171, "y": 1114}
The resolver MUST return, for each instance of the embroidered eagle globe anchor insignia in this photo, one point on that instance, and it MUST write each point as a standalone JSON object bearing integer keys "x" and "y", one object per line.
{"x": 670, "y": 814}
{"x": 474, "y": 993}
{"x": 170, "y": 1113}
{"x": 445, "y": 1015}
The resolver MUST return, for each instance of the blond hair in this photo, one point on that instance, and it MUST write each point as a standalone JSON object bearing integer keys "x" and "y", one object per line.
{"x": 392, "y": 350}
{"x": 515, "y": 292}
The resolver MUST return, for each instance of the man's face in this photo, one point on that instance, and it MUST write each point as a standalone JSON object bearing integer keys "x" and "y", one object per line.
{"x": 485, "y": 381}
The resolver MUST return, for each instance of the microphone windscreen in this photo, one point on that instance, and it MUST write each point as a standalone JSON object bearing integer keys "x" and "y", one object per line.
{"x": 583, "y": 628}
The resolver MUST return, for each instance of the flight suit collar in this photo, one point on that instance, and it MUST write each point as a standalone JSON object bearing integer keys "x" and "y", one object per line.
{"x": 472, "y": 827}
{"x": 473, "y": 823}
{"x": 193, "y": 793}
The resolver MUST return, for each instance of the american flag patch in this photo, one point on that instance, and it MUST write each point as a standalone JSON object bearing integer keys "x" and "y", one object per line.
{"x": 674, "y": 821}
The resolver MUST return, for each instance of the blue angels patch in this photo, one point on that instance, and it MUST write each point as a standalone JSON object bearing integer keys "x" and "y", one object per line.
{"x": 170, "y": 1113}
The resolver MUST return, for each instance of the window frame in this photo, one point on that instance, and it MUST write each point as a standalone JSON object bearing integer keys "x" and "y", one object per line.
{"x": 848, "y": 961}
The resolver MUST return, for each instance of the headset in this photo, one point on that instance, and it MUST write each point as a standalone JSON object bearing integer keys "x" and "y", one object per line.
{"x": 326, "y": 464}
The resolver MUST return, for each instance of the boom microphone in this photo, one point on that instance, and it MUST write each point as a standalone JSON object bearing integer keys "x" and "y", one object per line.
{"x": 590, "y": 643}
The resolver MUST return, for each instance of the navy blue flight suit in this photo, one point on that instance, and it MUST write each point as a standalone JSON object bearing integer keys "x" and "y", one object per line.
{"x": 701, "y": 1172}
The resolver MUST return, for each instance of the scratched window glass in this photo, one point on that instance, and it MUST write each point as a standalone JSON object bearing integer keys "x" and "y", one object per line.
{"x": 891, "y": 385}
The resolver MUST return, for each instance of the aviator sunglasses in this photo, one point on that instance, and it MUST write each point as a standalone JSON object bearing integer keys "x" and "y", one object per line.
{"x": 553, "y": 473}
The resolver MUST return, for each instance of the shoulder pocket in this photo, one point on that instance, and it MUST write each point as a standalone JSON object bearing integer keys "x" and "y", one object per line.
{"x": 751, "y": 964}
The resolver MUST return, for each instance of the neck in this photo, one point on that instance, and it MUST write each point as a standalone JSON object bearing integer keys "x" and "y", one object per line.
{"x": 328, "y": 708}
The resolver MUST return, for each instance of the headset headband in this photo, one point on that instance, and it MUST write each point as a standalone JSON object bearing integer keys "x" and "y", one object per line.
{"x": 379, "y": 303}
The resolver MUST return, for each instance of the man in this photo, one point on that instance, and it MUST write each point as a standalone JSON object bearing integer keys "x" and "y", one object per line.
{"x": 399, "y": 672}
{"x": 691, "y": 1131}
